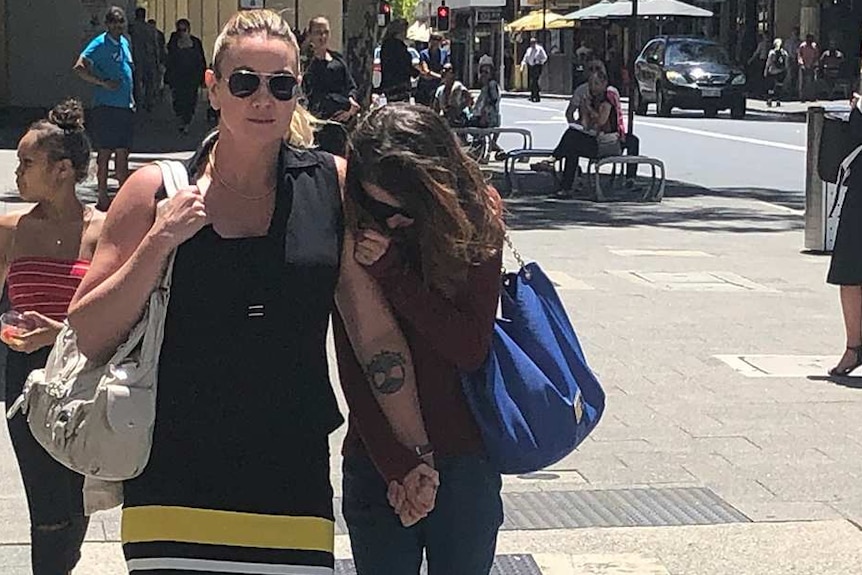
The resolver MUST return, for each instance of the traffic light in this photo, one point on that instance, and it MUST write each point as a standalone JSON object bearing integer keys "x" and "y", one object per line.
{"x": 443, "y": 17}
{"x": 384, "y": 14}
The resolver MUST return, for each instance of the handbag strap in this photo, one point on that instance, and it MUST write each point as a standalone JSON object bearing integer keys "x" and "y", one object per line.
{"x": 521, "y": 264}
{"x": 175, "y": 176}
{"x": 843, "y": 174}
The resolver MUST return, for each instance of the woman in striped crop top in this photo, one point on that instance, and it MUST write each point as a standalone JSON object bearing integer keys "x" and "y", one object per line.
{"x": 44, "y": 253}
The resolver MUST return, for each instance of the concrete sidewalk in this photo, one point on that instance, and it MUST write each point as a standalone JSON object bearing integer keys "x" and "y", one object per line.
{"x": 723, "y": 450}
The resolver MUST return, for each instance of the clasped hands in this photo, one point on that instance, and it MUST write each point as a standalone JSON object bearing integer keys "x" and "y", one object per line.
{"x": 414, "y": 498}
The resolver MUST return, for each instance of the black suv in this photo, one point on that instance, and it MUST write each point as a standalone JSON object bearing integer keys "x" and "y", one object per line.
{"x": 688, "y": 73}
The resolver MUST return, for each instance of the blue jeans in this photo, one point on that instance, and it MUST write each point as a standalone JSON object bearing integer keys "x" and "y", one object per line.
{"x": 459, "y": 536}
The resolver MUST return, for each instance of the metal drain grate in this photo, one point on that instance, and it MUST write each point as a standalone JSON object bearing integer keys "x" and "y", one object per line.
{"x": 618, "y": 508}
{"x": 609, "y": 508}
{"x": 503, "y": 565}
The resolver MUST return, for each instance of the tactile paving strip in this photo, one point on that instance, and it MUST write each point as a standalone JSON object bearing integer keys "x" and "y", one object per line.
{"x": 503, "y": 565}
{"x": 610, "y": 508}
{"x": 618, "y": 508}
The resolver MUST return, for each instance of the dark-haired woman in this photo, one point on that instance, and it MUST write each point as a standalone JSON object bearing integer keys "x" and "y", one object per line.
{"x": 44, "y": 253}
{"x": 429, "y": 230}
{"x": 184, "y": 72}
{"x": 846, "y": 267}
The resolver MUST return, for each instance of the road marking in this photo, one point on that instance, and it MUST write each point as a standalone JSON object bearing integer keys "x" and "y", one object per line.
{"x": 719, "y": 136}
{"x": 556, "y": 121}
{"x": 531, "y": 107}
{"x": 659, "y": 252}
{"x": 700, "y": 281}
{"x": 616, "y": 564}
{"x": 564, "y": 281}
{"x": 765, "y": 365}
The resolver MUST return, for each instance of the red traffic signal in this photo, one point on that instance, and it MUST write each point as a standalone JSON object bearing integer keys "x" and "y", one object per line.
{"x": 443, "y": 17}
{"x": 384, "y": 14}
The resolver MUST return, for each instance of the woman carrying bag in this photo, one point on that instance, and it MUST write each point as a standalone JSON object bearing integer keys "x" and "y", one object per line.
{"x": 429, "y": 230}
{"x": 237, "y": 479}
{"x": 846, "y": 266}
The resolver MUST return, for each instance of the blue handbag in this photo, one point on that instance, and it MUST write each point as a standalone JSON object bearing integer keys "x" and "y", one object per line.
{"x": 535, "y": 399}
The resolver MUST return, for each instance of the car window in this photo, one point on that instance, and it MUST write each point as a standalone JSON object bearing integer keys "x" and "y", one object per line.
{"x": 681, "y": 52}
{"x": 659, "y": 51}
{"x": 650, "y": 49}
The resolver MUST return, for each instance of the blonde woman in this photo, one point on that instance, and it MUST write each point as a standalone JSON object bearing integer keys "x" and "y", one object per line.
{"x": 238, "y": 479}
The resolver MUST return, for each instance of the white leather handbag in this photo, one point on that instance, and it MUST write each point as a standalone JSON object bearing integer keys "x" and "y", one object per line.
{"x": 98, "y": 420}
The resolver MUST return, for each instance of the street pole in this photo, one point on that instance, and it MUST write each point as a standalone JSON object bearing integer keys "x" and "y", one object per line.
{"x": 545, "y": 24}
{"x": 502, "y": 52}
{"x": 296, "y": 14}
{"x": 633, "y": 47}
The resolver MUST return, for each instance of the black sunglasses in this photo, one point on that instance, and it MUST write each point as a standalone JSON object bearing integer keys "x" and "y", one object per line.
{"x": 282, "y": 85}
{"x": 380, "y": 211}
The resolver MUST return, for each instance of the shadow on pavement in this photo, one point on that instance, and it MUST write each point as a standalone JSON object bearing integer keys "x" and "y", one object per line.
{"x": 155, "y": 132}
{"x": 842, "y": 381}
{"x": 750, "y": 116}
{"x": 686, "y": 206}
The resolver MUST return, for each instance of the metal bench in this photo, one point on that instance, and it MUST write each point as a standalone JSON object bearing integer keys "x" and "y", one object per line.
{"x": 486, "y": 133}
{"x": 654, "y": 192}
{"x": 524, "y": 154}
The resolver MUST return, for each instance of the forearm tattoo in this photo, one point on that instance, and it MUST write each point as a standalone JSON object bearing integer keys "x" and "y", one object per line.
{"x": 386, "y": 372}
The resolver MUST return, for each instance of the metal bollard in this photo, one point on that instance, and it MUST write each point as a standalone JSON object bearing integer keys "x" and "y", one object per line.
{"x": 815, "y": 210}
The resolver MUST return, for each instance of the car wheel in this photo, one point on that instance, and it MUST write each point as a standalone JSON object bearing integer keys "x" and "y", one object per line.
{"x": 710, "y": 111}
{"x": 662, "y": 104}
{"x": 737, "y": 110}
{"x": 640, "y": 103}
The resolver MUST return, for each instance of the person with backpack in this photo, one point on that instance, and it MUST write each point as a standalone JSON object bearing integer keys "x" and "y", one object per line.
{"x": 775, "y": 72}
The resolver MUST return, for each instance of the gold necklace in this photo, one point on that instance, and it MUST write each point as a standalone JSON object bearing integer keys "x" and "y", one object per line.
{"x": 222, "y": 181}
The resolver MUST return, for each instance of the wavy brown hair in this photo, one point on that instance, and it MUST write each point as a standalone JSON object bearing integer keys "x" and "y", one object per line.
{"x": 410, "y": 152}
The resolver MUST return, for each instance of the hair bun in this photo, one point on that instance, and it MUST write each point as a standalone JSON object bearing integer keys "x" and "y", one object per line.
{"x": 68, "y": 115}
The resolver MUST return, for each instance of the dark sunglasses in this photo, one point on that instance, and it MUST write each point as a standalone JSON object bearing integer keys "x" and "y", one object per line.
{"x": 117, "y": 21}
{"x": 380, "y": 211}
{"x": 282, "y": 85}
{"x": 182, "y": 29}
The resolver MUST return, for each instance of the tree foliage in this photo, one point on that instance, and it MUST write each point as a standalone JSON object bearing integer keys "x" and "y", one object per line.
{"x": 404, "y": 9}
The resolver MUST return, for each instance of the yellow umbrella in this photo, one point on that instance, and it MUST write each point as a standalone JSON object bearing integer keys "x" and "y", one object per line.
{"x": 533, "y": 21}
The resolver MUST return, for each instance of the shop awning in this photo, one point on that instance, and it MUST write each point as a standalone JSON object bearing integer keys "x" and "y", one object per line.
{"x": 419, "y": 31}
{"x": 533, "y": 22}
{"x": 610, "y": 9}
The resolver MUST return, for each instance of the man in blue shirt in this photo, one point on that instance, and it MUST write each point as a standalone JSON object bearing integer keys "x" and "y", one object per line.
{"x": 106, "y": 63}
{"x": 432, "y": 59}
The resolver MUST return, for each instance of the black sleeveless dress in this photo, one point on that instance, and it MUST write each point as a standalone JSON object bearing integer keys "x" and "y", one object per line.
{"x": 238, "y": 480}
{"x": 846, "y": 265}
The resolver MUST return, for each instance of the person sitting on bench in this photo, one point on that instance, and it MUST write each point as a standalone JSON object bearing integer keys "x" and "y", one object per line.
{"x": 629, "y": 143}
{"x": 595, "y": 133}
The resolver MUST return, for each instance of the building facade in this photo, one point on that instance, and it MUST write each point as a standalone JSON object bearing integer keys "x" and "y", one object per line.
{"x": 40, "y": 39}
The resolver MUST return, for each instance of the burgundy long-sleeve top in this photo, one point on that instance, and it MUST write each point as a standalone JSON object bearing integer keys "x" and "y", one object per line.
{"x": 446, "y": 337}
